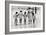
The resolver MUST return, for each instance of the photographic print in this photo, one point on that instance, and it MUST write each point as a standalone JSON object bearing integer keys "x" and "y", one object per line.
{"x": 25, "y": 17}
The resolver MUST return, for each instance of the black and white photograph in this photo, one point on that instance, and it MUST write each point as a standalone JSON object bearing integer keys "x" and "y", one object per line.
{"x": 25, "y": 17}
{"x": 22, "y": 17}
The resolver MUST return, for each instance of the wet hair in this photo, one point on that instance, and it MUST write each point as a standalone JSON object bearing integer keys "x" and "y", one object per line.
{"x": 20, "y": 10}
{"x": 16, "y": 12}
{"x": 29, "y": 8}
{"x": 32, "y": 14}
{"x": 29, "y": 12}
